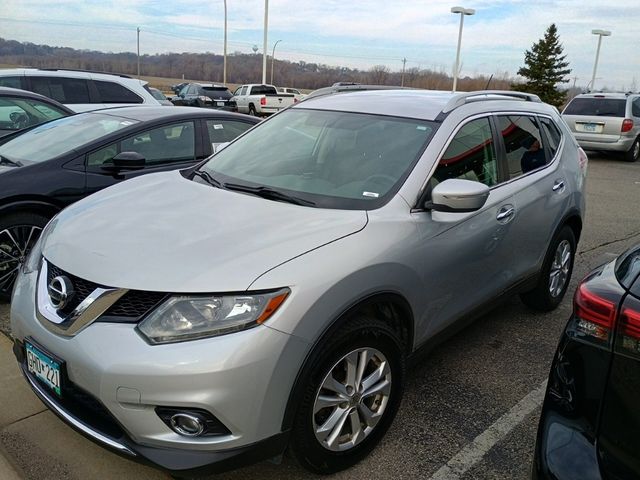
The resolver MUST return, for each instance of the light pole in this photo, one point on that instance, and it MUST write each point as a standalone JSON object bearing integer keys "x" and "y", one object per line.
{"x": 273, "y": 56}
{"x": 600, "y": 33}
{"x": 462, "y": 11}
{"x": 138, "y": 32}
{"x": 224, "y": 62}
{"x": 264, "y": 48}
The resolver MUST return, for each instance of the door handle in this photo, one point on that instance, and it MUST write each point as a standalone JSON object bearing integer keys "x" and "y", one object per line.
{"x": 559, "y": 185}
{"x": 505, "y": 212}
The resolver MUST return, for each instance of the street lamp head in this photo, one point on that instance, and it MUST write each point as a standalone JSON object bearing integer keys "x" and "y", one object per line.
{"x": 462, "y": 10}
{"x": 604, "y": 33}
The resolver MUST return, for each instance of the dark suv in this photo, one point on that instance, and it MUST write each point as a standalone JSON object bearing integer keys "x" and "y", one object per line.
{"x": 206, "y": 95}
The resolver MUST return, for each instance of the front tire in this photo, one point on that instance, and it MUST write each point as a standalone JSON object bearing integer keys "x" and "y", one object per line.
{"x": 634, "y": 152}
{"x": 555, "y": 274}
{"x": 352, "y": 394}
{"x": 18, "y": 234}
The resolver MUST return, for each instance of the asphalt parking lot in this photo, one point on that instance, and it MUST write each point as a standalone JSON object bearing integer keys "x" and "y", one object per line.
{"x": 470, "y": 408}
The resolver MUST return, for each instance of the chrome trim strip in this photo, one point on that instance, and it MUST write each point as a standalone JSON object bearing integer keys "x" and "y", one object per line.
{"x": 98, "y": 302}
{"x": 70, "y": 419}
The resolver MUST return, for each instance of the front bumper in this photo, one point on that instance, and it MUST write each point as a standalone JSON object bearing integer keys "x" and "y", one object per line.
{"x": 117, "y": 380}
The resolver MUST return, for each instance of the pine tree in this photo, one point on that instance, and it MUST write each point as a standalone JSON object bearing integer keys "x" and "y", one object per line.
{"x": 545, "y": 68}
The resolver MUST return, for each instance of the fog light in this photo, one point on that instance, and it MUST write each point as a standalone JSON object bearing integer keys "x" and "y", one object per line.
{"x": 191, "y": 422}
{"x": 186, "y": 424}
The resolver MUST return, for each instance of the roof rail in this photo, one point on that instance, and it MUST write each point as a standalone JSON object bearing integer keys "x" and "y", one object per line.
{"x": 466, "y": 97}
{"x": 351, "y": 88}
{"x": 85, "y": 71}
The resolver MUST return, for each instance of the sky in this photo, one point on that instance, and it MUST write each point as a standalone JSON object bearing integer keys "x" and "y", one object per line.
{"x": 349, "y": 33}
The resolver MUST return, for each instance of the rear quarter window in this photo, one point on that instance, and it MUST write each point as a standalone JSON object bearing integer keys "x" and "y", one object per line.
{"x": 599, "y": 107}
{"x": 111, "y": 92}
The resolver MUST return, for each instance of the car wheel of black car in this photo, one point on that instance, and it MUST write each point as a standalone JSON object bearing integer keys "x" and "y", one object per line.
{"x": 252, "y": 111}
{"x": 350, "y": 397}
{"x": 634, "y": 152}
{"x": 18, "y": 233}
{"x": 555, "y": 274}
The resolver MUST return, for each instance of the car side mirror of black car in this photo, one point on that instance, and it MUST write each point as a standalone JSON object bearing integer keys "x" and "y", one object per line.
{"x": 125, "y": 161}
{"x": 457, "y": 195}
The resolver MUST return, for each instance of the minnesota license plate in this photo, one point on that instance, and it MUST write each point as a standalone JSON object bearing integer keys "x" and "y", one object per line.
{"x": 43, "y": 367}
{"x": 220, "y": 104}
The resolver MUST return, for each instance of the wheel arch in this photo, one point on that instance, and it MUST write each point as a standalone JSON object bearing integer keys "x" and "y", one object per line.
{"x": 38, "y": 205}
{"x": 388, "y": 305}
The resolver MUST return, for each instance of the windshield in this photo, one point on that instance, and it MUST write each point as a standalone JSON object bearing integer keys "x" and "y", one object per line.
{"x": 601, "y": 107}
{"x": 60, "y": 136}
{"x": 216, "y": 92}
{"x": 157, "y": 94}
{"x": 333, "y": 159}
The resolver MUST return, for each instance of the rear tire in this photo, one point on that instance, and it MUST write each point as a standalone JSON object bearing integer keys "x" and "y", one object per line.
{"x": 18, "y": 234}
{"x": 634, "y": 152}
{"x": 252, "y": 111}
{"x": 340, "y": 419}
{"x": 555, "y": 274}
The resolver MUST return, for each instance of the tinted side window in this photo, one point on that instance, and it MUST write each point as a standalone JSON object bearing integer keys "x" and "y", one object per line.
{"x": 635, "y": 107}
{"x": 111, "y": 92}
{"x": 553, "y": 135}
{"x": 221, "y": 131}
{"x": 13, "y": 82}
{"x": 166, "y": 144}
{"x": 471, "y": 155}
{"x": 523, "y": 144}
{"x": 64, "y": 90}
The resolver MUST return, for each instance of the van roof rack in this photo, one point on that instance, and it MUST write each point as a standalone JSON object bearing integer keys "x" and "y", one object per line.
{"x": 85, "y": 71}
{"x": 467, "y": 97}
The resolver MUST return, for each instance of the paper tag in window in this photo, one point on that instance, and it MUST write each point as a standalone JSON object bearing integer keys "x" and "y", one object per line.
{"x": 218, "y": 127}
{"x": 421, "y": 127}
{"x": 370, "y": 194}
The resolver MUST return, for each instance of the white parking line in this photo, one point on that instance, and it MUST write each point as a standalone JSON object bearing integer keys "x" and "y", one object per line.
{"x": 478, "y": 448}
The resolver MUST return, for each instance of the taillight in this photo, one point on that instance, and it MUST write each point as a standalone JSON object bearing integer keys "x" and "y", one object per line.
{"x": 295, "y": 100}
{"x": 627, "y": 125}
{"x": 595, "y": 315}
{"x": 583, "y": 160}
{"x": 263, "y": 101}
{"x": 628, "y": 340}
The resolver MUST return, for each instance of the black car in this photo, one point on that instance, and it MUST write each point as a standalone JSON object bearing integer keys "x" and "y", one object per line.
{"x": 20, "y": 109}
{"x": 206, "y": 95}
{"x": 590, "y": 424}
{"x": 52, "y": 165}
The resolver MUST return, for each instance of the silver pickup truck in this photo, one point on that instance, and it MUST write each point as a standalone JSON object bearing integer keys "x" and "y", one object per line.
{"x": 261, "y": 100}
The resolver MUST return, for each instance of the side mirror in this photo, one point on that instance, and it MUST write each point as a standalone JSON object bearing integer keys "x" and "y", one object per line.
{"x": 125, "y": 161}
{"x": 458, "y": 196}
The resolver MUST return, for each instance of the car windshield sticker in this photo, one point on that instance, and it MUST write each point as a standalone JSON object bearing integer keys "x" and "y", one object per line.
{"x": 218, "y": 127}
{"x": 421, "y": 127}
{"x": 370, "y": 194}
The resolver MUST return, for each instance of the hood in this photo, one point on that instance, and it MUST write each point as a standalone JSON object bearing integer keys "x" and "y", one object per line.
{"x": 162, "y": 232}
{"x": 4, "y": 169}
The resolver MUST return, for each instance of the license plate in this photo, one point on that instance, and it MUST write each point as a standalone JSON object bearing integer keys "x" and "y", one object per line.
{"x": 43, "y": 367}
{"x": 589, "y": 127}
{"x": 220, "y": 104}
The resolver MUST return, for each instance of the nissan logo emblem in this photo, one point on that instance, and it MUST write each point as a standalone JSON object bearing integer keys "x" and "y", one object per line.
{"x": 60, "y": 292}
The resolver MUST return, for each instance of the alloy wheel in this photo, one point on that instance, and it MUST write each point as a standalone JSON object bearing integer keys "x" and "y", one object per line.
{"x": 15, "y": 243}
{"x": 352, "y": 399}
{"x": 559, "y": 274}
{"x": 636, "y": 150}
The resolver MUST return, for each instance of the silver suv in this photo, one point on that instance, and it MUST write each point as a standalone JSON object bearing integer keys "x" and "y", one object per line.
{"x": 271, "y": 296}
{"x": 607, "y": 122}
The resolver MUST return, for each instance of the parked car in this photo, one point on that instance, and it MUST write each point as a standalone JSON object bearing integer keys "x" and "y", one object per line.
{"x": 297, "y": 95}
{"x": 50, "y": 166}
{"x": 80, "y": 90}
{"x": 272, "y": 295}
{"x": 261, "y": 100}
{"x": 590, "y": 422}
{"x": 160, "y": 97}
{"x": 609, "y": 122}
{"x": 206, "y": 95}
{"x": 20, "y": 109}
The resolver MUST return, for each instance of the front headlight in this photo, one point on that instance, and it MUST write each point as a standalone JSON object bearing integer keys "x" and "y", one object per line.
{"x": 32, "y": 262}
{"x": 182, "y": 318}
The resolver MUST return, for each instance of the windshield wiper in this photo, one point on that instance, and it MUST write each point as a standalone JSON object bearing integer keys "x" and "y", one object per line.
{"x": 11, "y": 163}
{"x": 207, "y": 177}
{"x": 269, "y": 193}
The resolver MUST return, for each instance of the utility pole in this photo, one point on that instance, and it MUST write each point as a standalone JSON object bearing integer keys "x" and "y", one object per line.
{"x": 273, "y": 56}
{"x": 224, "y": 62}
{"x": 575, "y": 79}
{"x": 264, "y": 48}
{"x": 404, "y": 63}
{"x": 138, "y": 31}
